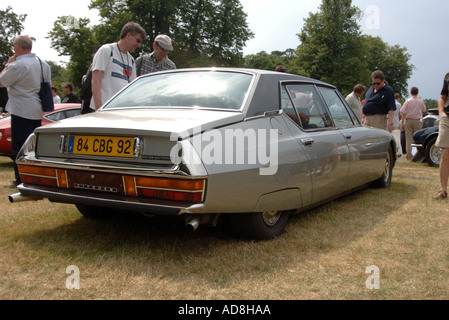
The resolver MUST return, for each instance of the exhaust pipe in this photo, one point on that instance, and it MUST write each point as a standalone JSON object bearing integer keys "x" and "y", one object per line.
{"x": 18, "y": 197}
{"x": 192, "y": 224}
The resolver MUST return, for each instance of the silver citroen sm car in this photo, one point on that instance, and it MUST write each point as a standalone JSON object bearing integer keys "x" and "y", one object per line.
{"x": 250, "y": 145}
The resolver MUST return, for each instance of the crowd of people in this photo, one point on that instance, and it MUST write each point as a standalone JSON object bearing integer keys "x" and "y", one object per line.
{"x": 382, "y": 109}
{"x": 113, "y": 67}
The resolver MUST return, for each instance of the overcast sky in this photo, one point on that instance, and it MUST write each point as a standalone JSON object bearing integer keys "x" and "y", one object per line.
{"x": 420, "y": 26}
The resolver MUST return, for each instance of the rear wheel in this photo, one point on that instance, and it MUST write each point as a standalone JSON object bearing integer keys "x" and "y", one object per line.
{"x": 385, "y": 180}
{"x": 433, "y": 153}
{"x": 259, "y": 226}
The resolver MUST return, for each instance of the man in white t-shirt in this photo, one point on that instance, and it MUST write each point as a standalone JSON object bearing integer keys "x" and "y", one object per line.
{"x": 113, "y": 66}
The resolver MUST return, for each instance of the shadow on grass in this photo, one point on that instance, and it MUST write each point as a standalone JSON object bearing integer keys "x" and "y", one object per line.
{"x": 6, "y": 163}
{"x": 136, "y": 244}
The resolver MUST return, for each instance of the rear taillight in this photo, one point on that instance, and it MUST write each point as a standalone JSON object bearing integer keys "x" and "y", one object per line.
{"x": 173, "y": 189}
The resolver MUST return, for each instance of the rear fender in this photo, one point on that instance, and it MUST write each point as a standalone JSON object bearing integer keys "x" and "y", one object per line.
{"x": 288, "y": 199}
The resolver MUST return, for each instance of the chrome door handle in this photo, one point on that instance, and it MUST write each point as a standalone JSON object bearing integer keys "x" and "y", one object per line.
{"x": 307, "y": 141}
{"x": 348, "y": 136}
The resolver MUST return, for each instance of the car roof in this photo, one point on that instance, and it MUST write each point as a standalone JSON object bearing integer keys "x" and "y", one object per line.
{"x": 266, "y": 96}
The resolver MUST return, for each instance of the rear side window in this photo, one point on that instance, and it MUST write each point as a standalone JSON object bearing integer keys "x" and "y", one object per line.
{"x": 303, "y": 105}
{"x": 337, "y": 108}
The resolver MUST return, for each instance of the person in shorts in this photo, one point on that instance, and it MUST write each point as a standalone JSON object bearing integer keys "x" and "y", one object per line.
{"x": 443, "y": 139}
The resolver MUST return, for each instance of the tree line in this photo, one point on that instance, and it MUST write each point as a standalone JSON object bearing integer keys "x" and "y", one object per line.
{"x": 214, "y": 32}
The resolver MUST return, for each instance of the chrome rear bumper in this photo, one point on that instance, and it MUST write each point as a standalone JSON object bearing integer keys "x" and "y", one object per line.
{"x": 33, "y": 193}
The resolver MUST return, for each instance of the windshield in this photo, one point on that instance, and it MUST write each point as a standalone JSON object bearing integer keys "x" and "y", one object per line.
{"x": 196, "y": 89}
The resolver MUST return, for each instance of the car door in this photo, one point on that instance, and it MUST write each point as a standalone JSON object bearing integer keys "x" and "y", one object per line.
{"x": 362, "y": 142}
{"x": 326, "y": 147}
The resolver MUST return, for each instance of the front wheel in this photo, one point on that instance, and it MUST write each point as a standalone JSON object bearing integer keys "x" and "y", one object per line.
{"x": 433, "y": 153}
{"x": 259, "y": 226}
{"x": 385, "y": 180}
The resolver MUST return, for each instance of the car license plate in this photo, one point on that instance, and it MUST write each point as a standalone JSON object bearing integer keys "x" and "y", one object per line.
{"x": 102, "y": 146}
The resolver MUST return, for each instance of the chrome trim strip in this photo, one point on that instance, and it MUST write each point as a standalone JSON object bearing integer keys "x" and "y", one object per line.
{"x": 175, "y": 171}
{"x": 62, "y": 148}
{"x": 266, "y": 114}
{"x": 167, "y": 189}
{"x": 138, "y": 147}
{"x": 124, "y": 203}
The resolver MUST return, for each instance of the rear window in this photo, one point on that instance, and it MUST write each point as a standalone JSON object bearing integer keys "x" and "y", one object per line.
{"x": 194, "y": 89}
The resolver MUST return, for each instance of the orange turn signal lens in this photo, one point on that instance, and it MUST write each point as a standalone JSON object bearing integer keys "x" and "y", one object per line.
{"x": 62, "y": 179}
{"x": 130, "y": 186}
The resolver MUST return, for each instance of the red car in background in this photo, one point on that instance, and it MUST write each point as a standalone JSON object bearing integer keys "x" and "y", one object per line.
{"x": 62, "y": 111}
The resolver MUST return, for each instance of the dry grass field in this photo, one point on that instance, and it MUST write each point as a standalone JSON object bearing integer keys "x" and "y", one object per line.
{"x": 325, "y": 253}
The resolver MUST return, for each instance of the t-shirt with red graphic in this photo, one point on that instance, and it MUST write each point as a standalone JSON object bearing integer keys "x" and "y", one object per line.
{"x": 118, "y": 69}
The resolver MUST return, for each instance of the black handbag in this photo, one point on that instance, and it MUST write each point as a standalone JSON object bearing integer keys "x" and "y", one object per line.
{"x": 45, "y": 93}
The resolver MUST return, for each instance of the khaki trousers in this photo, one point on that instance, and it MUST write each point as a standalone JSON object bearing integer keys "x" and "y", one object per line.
{"x": 376, "y": 121}
{"x": 411, "y": 126}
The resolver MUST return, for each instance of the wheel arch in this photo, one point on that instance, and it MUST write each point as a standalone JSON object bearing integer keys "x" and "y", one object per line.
{"x": 282, "y": 200}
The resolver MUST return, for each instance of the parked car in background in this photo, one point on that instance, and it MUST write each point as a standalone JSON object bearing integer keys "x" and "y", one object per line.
{"x": 429, "y": 120}
{"x": 424, "y": 141}
{"x": 62, "y": 111}
{"x": 251, "y": 146}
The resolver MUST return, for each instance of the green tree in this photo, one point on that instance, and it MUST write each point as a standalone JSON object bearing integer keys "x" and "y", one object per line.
{"x": 392, "y": 60}
{"x": 204, "y": 32}
{"x": 431, "y": 103}
{"x": 334, "y": 50}
{"x": 114, "y": 14}
{"x": 74, "y": 38}
{"x": 330, "y": 48}
{"x": 191, "y": 19}
{"x": 227, "y": 33}
{"x": 265, "y": 61}
{"x": 59, "y": 75}
{"x": 10, "y": 27}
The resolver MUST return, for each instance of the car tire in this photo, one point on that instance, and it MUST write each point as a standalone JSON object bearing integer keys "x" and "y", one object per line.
{"x": 259, "y": 226}
{"x": 93, "y": 212}
{"x": 385, "y": 180}
{"x": 433, "y": 153}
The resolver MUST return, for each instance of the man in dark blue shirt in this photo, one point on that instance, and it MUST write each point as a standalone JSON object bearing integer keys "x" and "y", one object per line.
{"x": 379, "y": 103}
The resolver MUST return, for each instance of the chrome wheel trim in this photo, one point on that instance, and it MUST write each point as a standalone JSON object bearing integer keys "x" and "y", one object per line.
{"x": 270, "y": 218}
{"x": 435, "y": 154}
{"x": 387, "y": 171}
